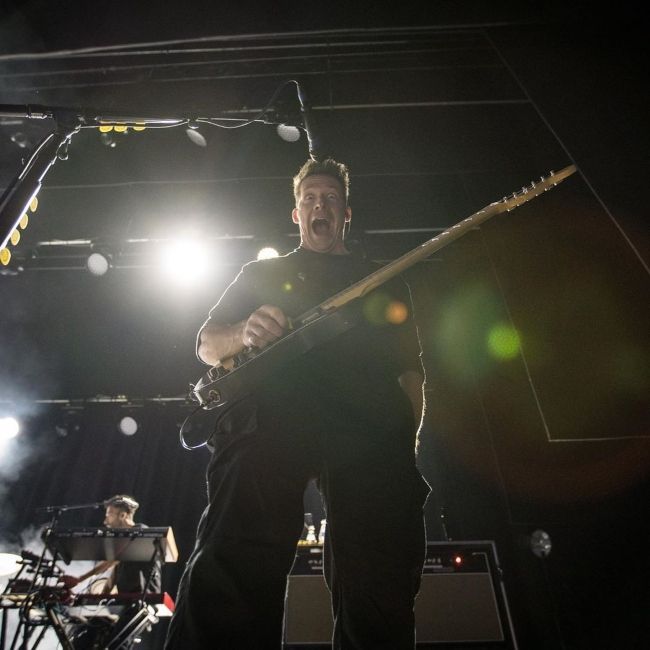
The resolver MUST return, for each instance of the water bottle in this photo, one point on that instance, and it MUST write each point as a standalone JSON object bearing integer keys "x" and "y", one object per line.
{"x": 321, "y": 531}
{"x": 311, "y": 529}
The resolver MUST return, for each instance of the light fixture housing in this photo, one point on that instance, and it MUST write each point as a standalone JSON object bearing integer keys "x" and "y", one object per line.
{"x": 288, "y": 133}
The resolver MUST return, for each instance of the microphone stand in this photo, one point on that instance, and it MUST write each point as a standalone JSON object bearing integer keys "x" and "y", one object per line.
{"x": 50, "y": 602}
{"x": 25, "y": 186}
{"x": 57, "y": 510}
{"x": 34, "y": 591}
{"x": 60, "y": 509}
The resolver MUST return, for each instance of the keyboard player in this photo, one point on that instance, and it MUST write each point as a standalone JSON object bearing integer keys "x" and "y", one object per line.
{"x": 121, "y": 577}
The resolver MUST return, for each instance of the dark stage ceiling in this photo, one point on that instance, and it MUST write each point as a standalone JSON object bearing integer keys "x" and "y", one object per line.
{"x": 438, "y": 111}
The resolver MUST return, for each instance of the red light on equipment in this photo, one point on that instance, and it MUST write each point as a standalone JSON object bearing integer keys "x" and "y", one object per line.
{"x": 458, "y": 560}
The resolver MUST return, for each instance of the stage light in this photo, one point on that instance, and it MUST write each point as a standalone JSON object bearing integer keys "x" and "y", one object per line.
{"x": 9, "y": 563}
{"x": 267, "y": 253}
{"x": 5, "y": 253}
{"x": 107, "y": 140}
{"x": 185, "y": 261}
{"x": 98, "y": 263}
{"x": 9, "y": 428}
{"x": 68, "y": 420}
{"x": 21, "y": 140}
{"x": 540, "y": 543}
{"x": 196, "y": 136}
{"x": 288, "y": 133}
{"x": 110, "y": 134}
{"x": 128, "y": 425}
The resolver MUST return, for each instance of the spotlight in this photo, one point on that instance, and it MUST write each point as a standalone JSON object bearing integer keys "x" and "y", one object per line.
{"x": 288, "y": 133}
{"x": 9, "y": 428}
{"x": 267, "y": 253}
{"x": 98, "y": 263}
{"x": 185, "y": 261}
{"x": 128, "y": 425}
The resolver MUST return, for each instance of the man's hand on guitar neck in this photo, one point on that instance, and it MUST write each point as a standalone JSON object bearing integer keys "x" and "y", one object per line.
{"x": 219, "y": 342}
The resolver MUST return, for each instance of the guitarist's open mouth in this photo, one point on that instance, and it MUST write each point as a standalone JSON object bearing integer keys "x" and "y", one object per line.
{"x": 321, "y": 226}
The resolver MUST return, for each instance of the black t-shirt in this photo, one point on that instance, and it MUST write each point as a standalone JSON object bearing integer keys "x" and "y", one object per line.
{"x": 358, "y": 368}
{"x": 131, "y": 577}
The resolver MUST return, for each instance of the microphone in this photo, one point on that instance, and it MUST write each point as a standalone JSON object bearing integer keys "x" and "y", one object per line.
{"x": 82, "y": 506}
{"x": 29, "y": 556}
{"x": 98, "y": 504}
{"x": 308, "y": 123}
{"x": 89, "y": 506}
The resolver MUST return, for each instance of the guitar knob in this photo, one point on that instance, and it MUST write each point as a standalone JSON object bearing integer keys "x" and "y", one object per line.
{"x": 214, "y": 396}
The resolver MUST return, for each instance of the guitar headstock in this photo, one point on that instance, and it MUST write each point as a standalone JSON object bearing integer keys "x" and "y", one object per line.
{"x": 536, "y": 188}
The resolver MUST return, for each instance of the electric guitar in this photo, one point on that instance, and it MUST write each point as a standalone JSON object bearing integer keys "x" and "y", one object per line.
{"x": 236, "y": 375}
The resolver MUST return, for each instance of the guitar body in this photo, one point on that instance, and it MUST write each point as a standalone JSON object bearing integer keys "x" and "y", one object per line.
{"x": 219, "y": 386}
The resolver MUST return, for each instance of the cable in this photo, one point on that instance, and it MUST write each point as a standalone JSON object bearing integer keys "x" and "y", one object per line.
{"x": 259, "y": 116}
{"x": 182, "y": 437}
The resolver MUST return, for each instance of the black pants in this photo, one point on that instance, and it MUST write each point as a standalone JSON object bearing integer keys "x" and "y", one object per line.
{"x": 231, "y": 595}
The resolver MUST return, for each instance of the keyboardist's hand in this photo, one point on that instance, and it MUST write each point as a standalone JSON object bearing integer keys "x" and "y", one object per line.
{"x": 70, "y": 581}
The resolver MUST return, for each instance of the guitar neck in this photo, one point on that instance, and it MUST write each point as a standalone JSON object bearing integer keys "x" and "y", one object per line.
{"x": 390, "y": 270}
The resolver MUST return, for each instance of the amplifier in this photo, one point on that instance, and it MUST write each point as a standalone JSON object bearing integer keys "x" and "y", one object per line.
{"x": 461, "y": 604}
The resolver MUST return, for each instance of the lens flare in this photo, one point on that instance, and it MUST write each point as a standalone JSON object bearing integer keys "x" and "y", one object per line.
{"x": 375, "y": 308}
{"x": 397, "y": 312}
{"x": 503, "y": 341}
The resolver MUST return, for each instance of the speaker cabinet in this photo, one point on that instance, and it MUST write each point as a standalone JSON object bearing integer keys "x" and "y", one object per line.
{"x": 461, "y": 604}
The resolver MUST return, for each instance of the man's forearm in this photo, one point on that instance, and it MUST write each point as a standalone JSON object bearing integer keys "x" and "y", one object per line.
{"x": 218, "y": 342}
{"x": 99, "y": 568}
